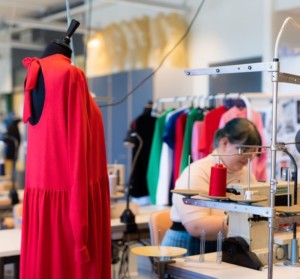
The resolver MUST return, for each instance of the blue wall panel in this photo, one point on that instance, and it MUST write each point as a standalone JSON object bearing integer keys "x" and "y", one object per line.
{"x": 143, "y": 94}
{"x": 117, "y": 118}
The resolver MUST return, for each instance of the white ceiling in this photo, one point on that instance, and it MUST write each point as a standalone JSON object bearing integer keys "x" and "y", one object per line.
{"x": 19, "y": 15}
{"x": 29, "y": 8}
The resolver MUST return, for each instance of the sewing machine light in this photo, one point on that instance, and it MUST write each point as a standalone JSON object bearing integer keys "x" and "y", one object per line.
{"x": 130, "y": 139}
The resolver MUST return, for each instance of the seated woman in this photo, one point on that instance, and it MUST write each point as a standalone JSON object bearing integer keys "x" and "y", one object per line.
{"x": 188, "y": 220}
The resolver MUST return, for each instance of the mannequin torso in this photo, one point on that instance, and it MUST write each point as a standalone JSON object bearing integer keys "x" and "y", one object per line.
{"x": 38, "y": 94}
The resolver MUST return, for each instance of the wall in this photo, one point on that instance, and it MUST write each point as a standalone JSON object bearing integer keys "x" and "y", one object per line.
{"x": 223, "y": 31}
{"x": 213, "y": 37}
{"x": 5, "y": 70}
{"x": 289, "y": 50}
{"x": 218, "y": 38}
{"x": 229, "y": 30}
{"x": 117, "y": 119}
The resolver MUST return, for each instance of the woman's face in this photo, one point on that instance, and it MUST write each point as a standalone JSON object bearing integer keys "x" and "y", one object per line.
{"x": 235, "y": 162}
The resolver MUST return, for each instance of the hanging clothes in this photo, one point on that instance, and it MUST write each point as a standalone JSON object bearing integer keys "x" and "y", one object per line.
{"x": 258, "y": 164}
{"x": 210, "y": 126}
{"x": 196, "y": 134}
{"x": 66, "y": 207}
{"x": 165, "y": 181}
{"x": 178, "y": 146}
{"x": 143, "y": 125}
{"x": 193, "y": 116}
{"x": 154, "y": 158}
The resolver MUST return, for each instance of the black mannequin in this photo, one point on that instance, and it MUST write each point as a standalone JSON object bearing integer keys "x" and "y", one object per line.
{"x": 57, "y": 47}
{"x": 61, "y": 46}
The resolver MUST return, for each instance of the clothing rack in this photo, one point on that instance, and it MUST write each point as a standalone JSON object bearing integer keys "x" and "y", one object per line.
{"x": 156, "y": 108}
{"x": 241, "y": 96}
{"x": 199, "y": 100}
{"x": 195, "y": 100}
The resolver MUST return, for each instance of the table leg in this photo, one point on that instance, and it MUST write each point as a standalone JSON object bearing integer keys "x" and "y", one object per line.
{"x": 1, "y": 268}
{"x": 17, "y": 269}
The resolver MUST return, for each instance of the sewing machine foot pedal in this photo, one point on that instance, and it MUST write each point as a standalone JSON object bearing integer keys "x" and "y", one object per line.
{"x": 235, "y": 250}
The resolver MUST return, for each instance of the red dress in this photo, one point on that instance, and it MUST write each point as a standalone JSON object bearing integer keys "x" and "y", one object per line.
{"x": 66, "y": 211}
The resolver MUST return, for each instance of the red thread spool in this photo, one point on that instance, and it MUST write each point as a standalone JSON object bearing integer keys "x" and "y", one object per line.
{"x": 217, "y": 186}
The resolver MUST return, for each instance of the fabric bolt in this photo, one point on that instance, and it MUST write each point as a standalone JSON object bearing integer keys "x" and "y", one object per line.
{"x": 258, "y": 164}
{"x": 210, "y": 126}
{"x": 154, "y": 157}
{"x": 179, "y": 136}
{"x": 66, "y": 207}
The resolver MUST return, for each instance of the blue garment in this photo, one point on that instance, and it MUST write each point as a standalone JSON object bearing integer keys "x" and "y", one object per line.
{"x": 170, "y": 128}
{"x": 184, "y": 240}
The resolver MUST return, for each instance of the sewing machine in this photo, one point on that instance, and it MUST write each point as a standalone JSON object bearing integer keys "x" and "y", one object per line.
{"x": 263, "y": 189}
{"x": 249, "y": 232}
{"x": 118, "y": 170}
{"x": 246, "y": 232}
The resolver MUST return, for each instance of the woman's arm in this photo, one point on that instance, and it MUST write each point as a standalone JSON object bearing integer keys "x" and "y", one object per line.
{"x": 195, "y": 218}
{"x": 211, "y": 224}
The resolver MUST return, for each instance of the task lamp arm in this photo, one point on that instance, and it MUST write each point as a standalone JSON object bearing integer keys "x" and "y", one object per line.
{"x": 127, "y": 216}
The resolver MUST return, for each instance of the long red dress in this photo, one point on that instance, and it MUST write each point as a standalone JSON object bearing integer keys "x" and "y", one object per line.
{"x": 66, "y": 211}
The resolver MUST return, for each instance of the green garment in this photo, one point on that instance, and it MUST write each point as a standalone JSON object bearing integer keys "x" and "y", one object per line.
{"x": 194, "y": 115}
{"x": 154, "y": 158}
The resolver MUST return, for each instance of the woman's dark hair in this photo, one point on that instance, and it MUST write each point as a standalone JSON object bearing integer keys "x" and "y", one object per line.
{"x": 238, "y": 130}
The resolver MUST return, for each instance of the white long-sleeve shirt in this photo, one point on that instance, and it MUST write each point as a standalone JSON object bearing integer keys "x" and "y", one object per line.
{"x": 200, "y": 180}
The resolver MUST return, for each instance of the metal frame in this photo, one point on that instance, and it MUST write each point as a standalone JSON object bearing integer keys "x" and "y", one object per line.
{"x": 197, "y": 99}
{"x": 241, "y": 68}
{"x": 270, "y": 212}
{"x": 232, "y": 206}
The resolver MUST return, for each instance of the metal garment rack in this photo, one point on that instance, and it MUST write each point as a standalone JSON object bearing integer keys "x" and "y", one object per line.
{"x": 171, "y": 100}
{"x": 277, "y": 76}
{"x": 199, "y": 98}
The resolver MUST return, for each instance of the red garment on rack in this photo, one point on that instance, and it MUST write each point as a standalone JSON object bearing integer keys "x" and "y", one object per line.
{"x": 178, "y": 145}
{"x": 66, "y": 208}
{"x": 210, "y": 126}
